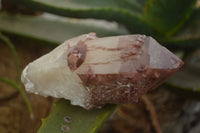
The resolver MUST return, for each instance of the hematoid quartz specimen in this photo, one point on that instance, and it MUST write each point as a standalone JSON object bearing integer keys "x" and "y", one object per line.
{"x": 92, "y": 71}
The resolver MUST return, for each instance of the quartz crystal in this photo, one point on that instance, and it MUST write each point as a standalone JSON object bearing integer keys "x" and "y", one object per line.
{"x": 92, "y": 71}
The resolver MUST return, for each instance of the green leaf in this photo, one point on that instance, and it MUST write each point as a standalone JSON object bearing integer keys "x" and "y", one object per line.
{"x": 167, "y": 16}
{"x": 49, "y": 30}
{"x": 188, "y": 36}
{"x": 12, "y": 48}
{"x": 83, "y": 121}
{"x": 18, "y": 88}
{"x": 130, "y": 5}
{"x": 142, "y": 3}
{"x": 195, "y": 15}
{"x": 188, "y": 77}
{"x": 123, "y": 11}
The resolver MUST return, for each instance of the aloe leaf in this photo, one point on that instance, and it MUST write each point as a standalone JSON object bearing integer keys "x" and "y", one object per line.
{"x": 126, "y": 12}
{"x": 188, "y": 78}
{"x": 18, "y": 88}
{"x": 12, "y": 48}
{"x": 142, "y": 3}
{"x": 188, "y": 36}
{"x": 49, "y": 30}
{"x": 167, "y": 16}
{"x": 71, "y": 5}
{"x": 130, "y": 5}
{"x": 195, "y": 15}
{"x": 82, "y": 121}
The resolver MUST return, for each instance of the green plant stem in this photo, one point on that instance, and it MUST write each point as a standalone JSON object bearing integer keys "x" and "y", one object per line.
{"x": 12, "y": 48}
{"x": 18, "y": 88}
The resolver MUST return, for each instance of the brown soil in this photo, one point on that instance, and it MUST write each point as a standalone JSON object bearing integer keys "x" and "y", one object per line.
{"x": 14, "y": 115}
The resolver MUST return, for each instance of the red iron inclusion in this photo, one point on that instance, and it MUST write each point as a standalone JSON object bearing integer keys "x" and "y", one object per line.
{"x": 120, "y": 69}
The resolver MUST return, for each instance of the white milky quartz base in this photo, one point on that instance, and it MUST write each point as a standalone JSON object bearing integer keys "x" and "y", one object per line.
{"x": 50, "y": 76}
